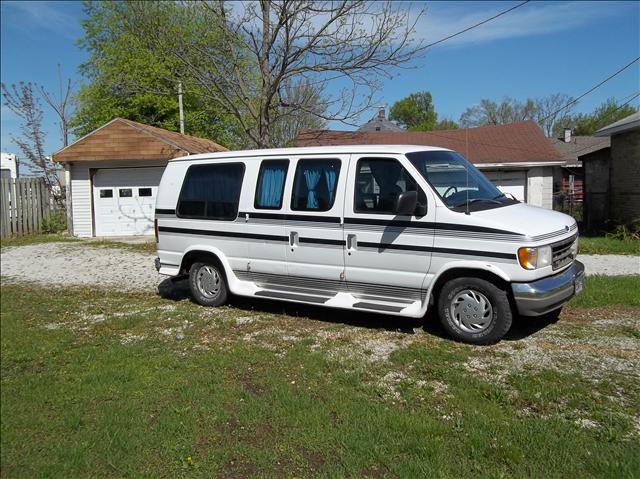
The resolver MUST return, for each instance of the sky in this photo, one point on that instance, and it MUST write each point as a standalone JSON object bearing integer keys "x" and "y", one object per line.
{"x": 538, "y": 49}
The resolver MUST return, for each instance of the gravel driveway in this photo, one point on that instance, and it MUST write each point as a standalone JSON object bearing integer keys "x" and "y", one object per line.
{"x": 81, "y": 264}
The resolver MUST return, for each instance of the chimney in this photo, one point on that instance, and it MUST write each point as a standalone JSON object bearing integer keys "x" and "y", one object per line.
{"x": 381, "y": 115}
{"x": 567, "y": 135}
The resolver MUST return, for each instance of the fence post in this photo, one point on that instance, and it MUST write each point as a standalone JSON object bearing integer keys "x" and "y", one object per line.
{"x": 3, "y": 208}
{"x": 14, "y": 211}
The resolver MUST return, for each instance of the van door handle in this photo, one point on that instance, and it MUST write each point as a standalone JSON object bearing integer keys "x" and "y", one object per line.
{"x": 293, "y": 240}
{"x": 352, "y": 243}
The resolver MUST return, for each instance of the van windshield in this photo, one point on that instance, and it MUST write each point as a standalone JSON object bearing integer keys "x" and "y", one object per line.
{"x": 458, "y": 182}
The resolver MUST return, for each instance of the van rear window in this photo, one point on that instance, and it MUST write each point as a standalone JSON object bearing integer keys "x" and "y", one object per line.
{"x": 211, "y": 192}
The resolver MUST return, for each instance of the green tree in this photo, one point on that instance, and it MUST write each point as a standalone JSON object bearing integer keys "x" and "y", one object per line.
{"x": 127, "y": 79}
{"x": 588, "y": 123}
{"x": 415, "y": 112}
{"x": 446, "y": 124}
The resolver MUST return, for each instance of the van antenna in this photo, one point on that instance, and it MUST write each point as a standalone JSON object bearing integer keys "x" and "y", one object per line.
{"x": 466, "y": 141}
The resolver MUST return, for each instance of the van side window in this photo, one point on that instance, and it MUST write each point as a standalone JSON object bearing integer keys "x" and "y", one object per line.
{"x": 315, "y": 184}
{"x": 379, "y": 182}
{"x": 270, "y": 189}
{"x": 211, "y": 191}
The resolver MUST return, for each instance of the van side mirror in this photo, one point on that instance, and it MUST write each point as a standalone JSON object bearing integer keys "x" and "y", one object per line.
{"x": 406, "y": 203}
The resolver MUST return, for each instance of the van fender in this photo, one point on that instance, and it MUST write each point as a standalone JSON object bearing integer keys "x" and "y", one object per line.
{"x": 466, "y": 267}
{"x": 232, "y": 281}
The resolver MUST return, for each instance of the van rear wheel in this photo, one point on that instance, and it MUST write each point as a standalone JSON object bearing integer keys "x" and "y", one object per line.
{"x": 208, "y": 284}
{"x": 473, "y": 310}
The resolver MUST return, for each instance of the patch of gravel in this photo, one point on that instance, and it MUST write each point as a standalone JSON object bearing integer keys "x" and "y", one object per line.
{"x": 610, "y": 264}
{"x": 76, "y": 264}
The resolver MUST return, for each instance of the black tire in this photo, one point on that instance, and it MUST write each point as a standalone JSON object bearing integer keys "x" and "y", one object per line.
{"x": 465, "y": 293}
{"x": 208, "y": 284}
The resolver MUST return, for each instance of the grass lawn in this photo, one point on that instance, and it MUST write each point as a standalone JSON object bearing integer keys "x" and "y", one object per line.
{"x": 604, "y": 245}
{"x": 99, "y": 383}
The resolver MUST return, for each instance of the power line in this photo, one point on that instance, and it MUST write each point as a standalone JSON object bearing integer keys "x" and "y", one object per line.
{"x": 575, "y": 100}
{"x": 476, "y": 25}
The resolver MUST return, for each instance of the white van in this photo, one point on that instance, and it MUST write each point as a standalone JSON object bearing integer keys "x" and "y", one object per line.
{"x": 391, "y": 229}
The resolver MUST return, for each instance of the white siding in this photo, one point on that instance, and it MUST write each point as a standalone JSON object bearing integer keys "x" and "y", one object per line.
{"x": 81, "y": 190}
{"x": 81, "y": 198}
{"x": 540, "y": 186}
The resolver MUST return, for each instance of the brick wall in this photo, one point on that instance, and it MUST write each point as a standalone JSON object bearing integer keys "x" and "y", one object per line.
{"x": 596, "y": 188}
{"x": 625, "y": 176}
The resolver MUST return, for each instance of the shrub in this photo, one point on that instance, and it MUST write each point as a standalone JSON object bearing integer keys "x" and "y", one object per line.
{"x": 56, "y": 222}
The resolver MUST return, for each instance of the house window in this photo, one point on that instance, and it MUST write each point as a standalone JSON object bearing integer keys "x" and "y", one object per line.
{"x": 125, "y": 192}
{"x": 144, "y": 191}
{"x": 106, "y": 193}
{"x": 270, "y": 189}
{"x": 315, "y": 185}
{"x": 211, "y": 191}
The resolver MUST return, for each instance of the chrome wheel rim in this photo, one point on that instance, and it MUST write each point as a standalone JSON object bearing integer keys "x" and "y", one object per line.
{"x": 208, "y": 281}
{"x": 471, "y": 311}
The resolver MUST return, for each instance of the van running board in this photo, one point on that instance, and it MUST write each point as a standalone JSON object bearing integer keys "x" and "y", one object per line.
{"x": 292, "y": 296}
{"x": 380, "y": 307}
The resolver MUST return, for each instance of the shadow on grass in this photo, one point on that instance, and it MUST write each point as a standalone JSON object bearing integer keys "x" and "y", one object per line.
{"x": 178, "y": 290}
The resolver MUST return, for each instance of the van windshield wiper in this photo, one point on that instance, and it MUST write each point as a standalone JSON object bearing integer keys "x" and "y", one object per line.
{"x": 474, "y": 200}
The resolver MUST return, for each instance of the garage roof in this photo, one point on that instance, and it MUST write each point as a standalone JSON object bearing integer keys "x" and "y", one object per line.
{"x": 522, "y": 142}
{"x": 123, "y": 139}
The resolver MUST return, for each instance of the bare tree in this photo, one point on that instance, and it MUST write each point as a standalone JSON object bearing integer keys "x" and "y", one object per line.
{"x": 549, "y": 112}
{"x": 489, "y": 112}
{"x": 21, "y": 100}
{"x": 243, "y": 55}
{"x": 63, "y": 105}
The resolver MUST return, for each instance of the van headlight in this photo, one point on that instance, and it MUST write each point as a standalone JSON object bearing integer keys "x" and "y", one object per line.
{"x": 534, "y": 258}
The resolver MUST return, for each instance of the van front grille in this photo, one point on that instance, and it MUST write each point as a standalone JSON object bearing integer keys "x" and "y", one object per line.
{"x": 561, "y": 253}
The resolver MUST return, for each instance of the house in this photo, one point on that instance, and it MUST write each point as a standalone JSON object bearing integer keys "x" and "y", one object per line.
{"x": 568, "y": 181}
{"x": 380, "y": 123}
{"x": 112, "y": 176}
{"x": 8, "y": 165}
{"x": 612, "y": 178}
{"x": 517, "y": 157}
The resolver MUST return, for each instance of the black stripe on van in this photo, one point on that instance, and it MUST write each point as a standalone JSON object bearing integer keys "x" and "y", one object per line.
{"x": 290, "y": 217}
{"x": 426, "y": 225}
{"x": 160, "y": 211}
{"x": 341, "y": 243}
{"x": 430, "y": 249}
{"x": 224, "y": 234}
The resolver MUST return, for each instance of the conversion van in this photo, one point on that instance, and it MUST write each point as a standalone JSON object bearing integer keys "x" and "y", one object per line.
{"x": 391, "y": 229}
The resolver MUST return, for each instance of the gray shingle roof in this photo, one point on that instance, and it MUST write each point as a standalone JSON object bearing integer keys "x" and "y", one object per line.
{"x": 579, "y": 146}
{"x": 628, "y": 123}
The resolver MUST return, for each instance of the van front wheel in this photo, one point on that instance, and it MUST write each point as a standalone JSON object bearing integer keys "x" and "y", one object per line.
{"x": 475, "y": 311}
{"x": 207, "y": 283}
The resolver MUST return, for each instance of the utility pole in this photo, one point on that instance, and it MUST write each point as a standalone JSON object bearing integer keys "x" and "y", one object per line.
{"x": 180, "y": 107}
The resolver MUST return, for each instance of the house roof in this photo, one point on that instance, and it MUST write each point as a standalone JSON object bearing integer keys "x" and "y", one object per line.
{"x": 579, "y": 146}
{"x": 630, "y": 122}
{"x": 522, "y": 142}
{"x": 379, "y": 122}
{"x": 122, "y": 139}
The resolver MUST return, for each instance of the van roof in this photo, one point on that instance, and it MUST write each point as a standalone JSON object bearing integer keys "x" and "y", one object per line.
{"x": 313, "y": 150}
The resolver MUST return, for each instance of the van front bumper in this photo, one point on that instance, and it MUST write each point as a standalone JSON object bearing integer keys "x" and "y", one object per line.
{"x": 547, "y": 294}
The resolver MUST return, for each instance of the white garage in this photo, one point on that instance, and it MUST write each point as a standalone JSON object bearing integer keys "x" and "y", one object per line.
{"x": 509, "y": 182}
{"x": 112, "y": 176}
{"x": 124, "y": 200}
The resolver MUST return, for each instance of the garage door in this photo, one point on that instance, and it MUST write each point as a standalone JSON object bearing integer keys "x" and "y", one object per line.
{"x": 509, "y": 182}
{"x": 124, "y": 200}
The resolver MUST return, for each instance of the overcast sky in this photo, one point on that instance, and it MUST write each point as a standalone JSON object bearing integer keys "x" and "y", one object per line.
{"x": 538, "y": 49}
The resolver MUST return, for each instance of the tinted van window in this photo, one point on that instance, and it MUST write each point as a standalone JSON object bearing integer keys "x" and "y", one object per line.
{"x": 379, "y": 182}
{"x": 270, "y": 189}
{"x": 315, "y": 184}
{"x": 211, "y": 191}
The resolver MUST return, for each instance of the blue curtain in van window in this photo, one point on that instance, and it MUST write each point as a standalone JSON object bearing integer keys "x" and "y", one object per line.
{"x": 271, "y": 184}
{"x": 312, "y": 177}
{"x": 330, "y": 177}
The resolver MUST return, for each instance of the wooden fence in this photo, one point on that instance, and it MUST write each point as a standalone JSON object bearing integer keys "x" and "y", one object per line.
{"x": 24, "y": 202}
